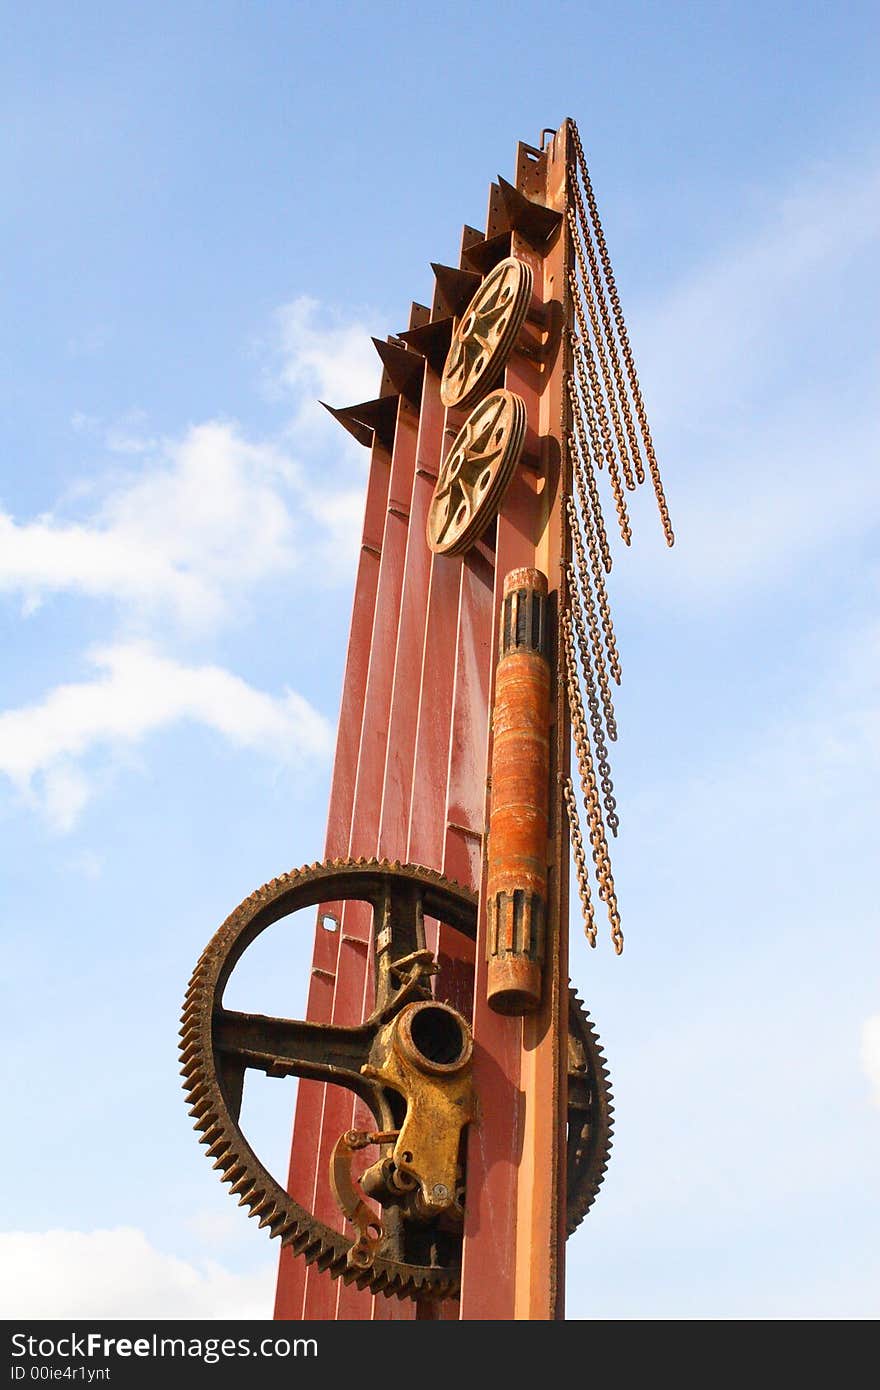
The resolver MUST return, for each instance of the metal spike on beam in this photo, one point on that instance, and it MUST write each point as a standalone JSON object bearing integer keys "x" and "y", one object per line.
{"x": 484, "y": 255}
{"x": 454, "y": 289}
{"x": 432, "y": 340}
{"x": 535, "y": 221}
{"x": 405, "y": 369}
{"x": 469, "y": 237}
{"x": 370, "y": 417}
{"x": 418, "y": 314}
{"x": 497, "y": 218}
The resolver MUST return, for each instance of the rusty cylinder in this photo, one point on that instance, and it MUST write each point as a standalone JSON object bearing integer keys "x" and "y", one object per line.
{"x": 517, "y": 851}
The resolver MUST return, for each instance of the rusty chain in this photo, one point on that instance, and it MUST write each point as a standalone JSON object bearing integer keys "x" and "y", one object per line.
{"x": 583, "y": 288}
{"x": 589, "y": 603}
{"x": 592, "y": 805}
{"x": 609, "y": 802}
{"x": 580, "y": 860}
{"x": 580, "y": 167}
{"x": 585, "y": 232}
{"x": 594, "y": 404}
{"x": 586, "y": 478}
{"x": 598, "y": 578}
{"x": 604, "y": 424}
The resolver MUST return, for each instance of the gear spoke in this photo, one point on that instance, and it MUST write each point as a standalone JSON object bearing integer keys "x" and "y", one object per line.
{"x": 294, "y": 1047}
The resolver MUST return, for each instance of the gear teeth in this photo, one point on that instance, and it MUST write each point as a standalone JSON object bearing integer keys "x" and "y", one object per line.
{"x": 234, "y": 1172}
{"x": 226, "y": 1163}
{"x": 588, "y": 1160}
{"x": 232, "y": 1158}
{"x": 244, "y": 1185}
{"x": 300, "y": 1241}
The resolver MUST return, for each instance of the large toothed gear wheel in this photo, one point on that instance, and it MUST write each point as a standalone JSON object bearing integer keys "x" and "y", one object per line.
{"x": 218, "y": 1045}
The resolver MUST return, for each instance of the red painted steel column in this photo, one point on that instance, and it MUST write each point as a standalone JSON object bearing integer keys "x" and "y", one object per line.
{"x": 354, "y": 966}
{"x": 515, "y": 1153}
{"x": 397, "y": 787}
{"x": 310, "y": 1094}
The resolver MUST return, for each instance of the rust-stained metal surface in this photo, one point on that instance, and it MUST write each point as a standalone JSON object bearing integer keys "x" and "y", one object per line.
{"x": 516, "y": 902}
{"x": 486, "y": 333}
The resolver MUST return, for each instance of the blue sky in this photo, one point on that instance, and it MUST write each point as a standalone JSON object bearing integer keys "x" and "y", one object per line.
{"x": 198, "y": 241}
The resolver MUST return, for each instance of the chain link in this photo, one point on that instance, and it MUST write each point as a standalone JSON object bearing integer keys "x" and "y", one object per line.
{"x": 595, "y": 391}
{"x": 584, "y": 288}
{"x": 598, "y": 839}
{"x": 626, "y": 349}
{"x": 609, "y": 802}
{"x": 585, "y": 477}
{"x": 610, "y": 340}
{"x": 598, "y": 579}
{"x": 580, "y": 860}
{"x": 586, "y": 587}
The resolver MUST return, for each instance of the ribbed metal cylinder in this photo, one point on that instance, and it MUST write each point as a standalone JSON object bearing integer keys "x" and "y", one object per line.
{"x": 517, "y": 848}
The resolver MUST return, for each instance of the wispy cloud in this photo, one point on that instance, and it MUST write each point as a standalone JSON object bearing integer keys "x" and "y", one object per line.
{"x": 172, "y": 536}
{"x": 45, "y": 747}
{"x": 186, "y": 527}
{"x": 323, "y": 357}
{"x": 107, "y": 1274}
{"x": 763, "y": 473}
{"x": 726, "y": 326}
{"x": 206, "y": 519}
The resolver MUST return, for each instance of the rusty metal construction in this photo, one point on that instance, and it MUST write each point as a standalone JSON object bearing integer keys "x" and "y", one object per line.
{"x": 486, "y": 333}
{"x": 443, "y": 1148}
{"x": 410, "y": 1061}
{"x": 476, "y": 472}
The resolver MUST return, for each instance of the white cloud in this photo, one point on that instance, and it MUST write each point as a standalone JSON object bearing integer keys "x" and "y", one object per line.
{"x": 138, "y": 691}
{"x": 66, "y": 791}
{"x": 871, "y": 1054}
{"x": 187, "y": 526}
{"x": 211, "y": 516}
{"x": 336, "y": 363}
{"x": 178, "y": 531}
{"x": 119, "y": 1274}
